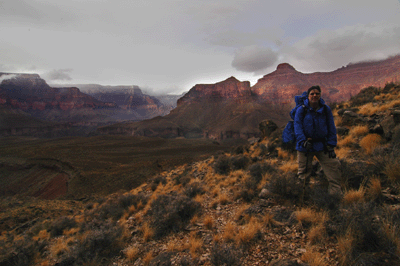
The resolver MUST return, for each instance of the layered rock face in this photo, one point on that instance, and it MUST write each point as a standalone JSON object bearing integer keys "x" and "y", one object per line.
{"x": 225, "y": 110}
{"x": 131, "y": 99}
{"x": 233, "y": 109}
{"x": 30, "y": 92}
{"x": 339, "y": 85}
{"x": 230, "y": 88}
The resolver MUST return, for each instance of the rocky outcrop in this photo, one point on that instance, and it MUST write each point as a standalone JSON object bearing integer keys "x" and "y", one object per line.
{"x": 230, "y": 88}
{"x": 339, "y": 85}
{"x": 225, "y": 110}
{"x": 134, "y": 104}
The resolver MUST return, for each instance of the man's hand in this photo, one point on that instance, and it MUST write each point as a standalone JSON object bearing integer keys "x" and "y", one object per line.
{"x": 307, "y": 144}
{"x": 331, "y": 151}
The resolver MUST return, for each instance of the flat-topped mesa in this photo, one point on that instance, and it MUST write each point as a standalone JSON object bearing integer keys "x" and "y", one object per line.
{"x": 30, "y": 92}
{"x": 230, "y": 88}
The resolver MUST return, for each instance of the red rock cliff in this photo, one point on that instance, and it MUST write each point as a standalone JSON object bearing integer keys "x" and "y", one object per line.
{"x": 285, "y": 82}
{"x": 230, "y": 88}
{"x": 30, "y": 92}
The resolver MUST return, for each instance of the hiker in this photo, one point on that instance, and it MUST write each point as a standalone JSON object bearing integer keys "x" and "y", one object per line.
{"x": 315, "y": 133}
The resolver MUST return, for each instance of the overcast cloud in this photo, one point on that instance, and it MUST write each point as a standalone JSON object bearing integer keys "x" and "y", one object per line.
{"x": 169, "y": 46}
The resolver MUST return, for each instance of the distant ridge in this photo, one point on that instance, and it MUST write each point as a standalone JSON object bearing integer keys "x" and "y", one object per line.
{"x": 233, "y": 109}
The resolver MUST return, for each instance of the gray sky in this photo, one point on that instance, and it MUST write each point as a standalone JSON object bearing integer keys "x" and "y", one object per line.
{"x": 171, "y": 45}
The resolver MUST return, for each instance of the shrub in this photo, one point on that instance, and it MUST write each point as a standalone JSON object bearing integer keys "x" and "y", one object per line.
{"x": 363, "y": 239}
{"x": 366, "y": 95}
{"x": 240, "y": 162}
{"x": 222, "y": 165}
{"x": 194, "y": 189}
{"x": 287, "y": 186}
{"x": 222, "y": 254}
{"x": 171, "y": 213}
{"x": 61, "y": 224}
{"x": 103, "y": 242}
{"x": 109, "y": 209}
{"x": 21, "y": 251}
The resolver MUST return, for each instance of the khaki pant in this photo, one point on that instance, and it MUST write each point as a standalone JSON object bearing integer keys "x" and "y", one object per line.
{"x": 330, "y": 166}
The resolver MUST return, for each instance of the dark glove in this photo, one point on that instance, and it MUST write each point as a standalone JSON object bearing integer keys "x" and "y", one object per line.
{"x": 331, "y": 152}
{"x": 308, "y": 145}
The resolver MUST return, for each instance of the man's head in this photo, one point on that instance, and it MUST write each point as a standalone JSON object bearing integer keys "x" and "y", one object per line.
{"x": 318, "y": 88}
{"x": 314, "y": 95}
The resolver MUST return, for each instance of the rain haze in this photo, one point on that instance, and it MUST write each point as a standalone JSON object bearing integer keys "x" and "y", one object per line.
{"x": 169, "y": 46}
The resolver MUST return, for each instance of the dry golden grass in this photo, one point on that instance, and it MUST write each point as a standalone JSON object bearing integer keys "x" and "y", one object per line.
{"x": 249, "y": 232}
{"x": 229, "y": 233}
{"x": 215, "y": 191}
{"x": 195, "y": 245}
{"x": 208, "y": 222}
{"x": 374, "y": 189}
{"x": 173, "y": 246}
{"x": 368, "y": 109}
{"x": 392, "y": 171}
{"x": 343, "y": 153}
{"x": 308, "y": 215}
{"x": 317, "y": 234}
{"x": 240, "y": 212}
{"x": 337, "y": 119}
{"x": 195, "y": 219}
{"x": 199, "y": 198}
{"x": 148, "y": 257}
{"x": 370, "y": 142}
{"x": 346, "y": 141}
{"x": 147, "y": 231}
{"x": 345, "y": 247}
{"x": 132, "y": 253}
{"x": 265, "y": 179}
{"x": 314, "y": 258}
{"x": 289, "y": 166}
{"x": 42, "y": 235}
{"x": 282, "y": 154}
{"x": 60, "y": 247}
{"x": 359, "y": 130}
{"x": 269, "y": 221}
{"x": 222, "y": 199}
{"x": 354, "y": 196}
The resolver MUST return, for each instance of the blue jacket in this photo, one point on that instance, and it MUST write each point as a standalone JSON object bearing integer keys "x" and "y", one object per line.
{"x": 315, "y": 124}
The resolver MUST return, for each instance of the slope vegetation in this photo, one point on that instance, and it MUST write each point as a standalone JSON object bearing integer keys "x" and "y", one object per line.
{"x": 243, "y": 207}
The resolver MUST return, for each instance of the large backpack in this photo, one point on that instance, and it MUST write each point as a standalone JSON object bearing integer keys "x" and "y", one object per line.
{"x": 288, "y": 136}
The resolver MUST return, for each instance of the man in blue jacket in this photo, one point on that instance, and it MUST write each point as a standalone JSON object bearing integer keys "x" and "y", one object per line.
{"x": 316, "y": 136}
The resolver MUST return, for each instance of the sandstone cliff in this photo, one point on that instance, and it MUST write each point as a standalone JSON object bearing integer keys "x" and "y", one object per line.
{"x": 223, "y": 110}
{"x": 339, "y": 85}
{"x": 30, "y": 92}
{"x": 233, "y": 109}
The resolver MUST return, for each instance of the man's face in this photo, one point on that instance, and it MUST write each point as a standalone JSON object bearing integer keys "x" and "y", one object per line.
{"x": 314, "y": 96}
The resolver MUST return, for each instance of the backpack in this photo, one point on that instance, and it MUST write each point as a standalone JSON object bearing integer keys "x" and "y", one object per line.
{"x": 288, "y": 136}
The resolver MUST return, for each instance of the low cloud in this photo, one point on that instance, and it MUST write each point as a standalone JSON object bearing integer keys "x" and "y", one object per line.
{"x": 254, "y": 59}
{"x": 58, "y": 75}
{"x": 7, "y": 76}
{"x": 331, "y": 49}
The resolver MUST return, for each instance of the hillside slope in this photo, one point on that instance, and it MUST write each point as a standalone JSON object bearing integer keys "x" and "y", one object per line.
{"x": 244, "y": 207}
